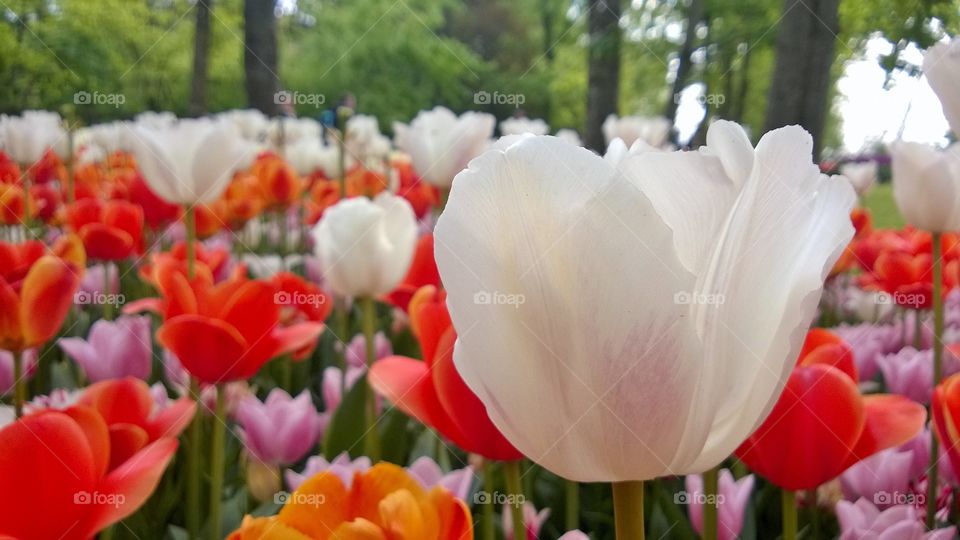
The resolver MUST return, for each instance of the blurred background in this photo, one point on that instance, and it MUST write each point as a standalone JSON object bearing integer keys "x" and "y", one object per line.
{"x": 846, "y": 70}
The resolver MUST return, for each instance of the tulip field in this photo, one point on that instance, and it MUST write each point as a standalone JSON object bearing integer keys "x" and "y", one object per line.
{"x": 298, "y": 320}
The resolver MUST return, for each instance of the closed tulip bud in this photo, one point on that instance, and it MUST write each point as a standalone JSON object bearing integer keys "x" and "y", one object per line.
{"x": 263, "y": 480}
{"x": 624, "y": 321}
{"x": 926, "y": 185}
{"x": 941, "y": 65}
{"x": 365, "y": 247}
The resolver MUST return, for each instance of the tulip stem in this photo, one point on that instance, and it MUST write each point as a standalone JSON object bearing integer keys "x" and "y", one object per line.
{"x": 917, "y": 329}
{"x": 628, "y": 510}
{"x": 216, "y": 462}
{"x": 511, "y": 474}
{"x": 190, "y": 223}
{"x": 788, "y": 502}
{"x": 368, "y": 313}
{"x": 572, "y": 501}
{"x": 19, "y": 384}
{"x": 193, "y": 464}
{"x": 710, "y": 488}
{"x": 932, "y": 475}
{"x": 488, "y": 528}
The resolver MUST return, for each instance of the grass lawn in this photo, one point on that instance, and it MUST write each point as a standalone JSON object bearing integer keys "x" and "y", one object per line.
{"x": 884, "y": 210}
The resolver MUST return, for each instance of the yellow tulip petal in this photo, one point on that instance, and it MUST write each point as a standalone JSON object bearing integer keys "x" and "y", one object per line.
{"x": 45, "y": 298}
{"x": 359, "y": 529}
{"x": 374, "y": 485}
{"x": 318, "y": 507}
{"x": 404, "y": 519}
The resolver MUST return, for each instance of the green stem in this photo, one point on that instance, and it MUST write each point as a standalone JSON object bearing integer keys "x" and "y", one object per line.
{"x": 191, "y": 224}
{"x": 193, "y": 464}
{"x": 511, "y": 473}
{"x": 368, "y": 312}
{"x": 216, "y": 462}
{"x": 710, "y": 488}
{"x": 27, "y": 218}
{"x": 933, "y": 476}
{"x": 488, "y": 528}
{"x": 789, "y": 508}
{"x": 19, "y": 384}
{"x": 628, "y": 510}
{"x": 107, "y": 533}
{"x": 572, "y": 501}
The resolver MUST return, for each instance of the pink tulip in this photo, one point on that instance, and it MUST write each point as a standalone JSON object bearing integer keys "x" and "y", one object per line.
{"x": 356, "y": 354}
{"x": 6, "y": 368}
{"x": 909, "y": 372}
{"x": 869, "y": 341}
{"x": 881, "y": 478}
{"x": 342, "y": 466}
{"x": 574, "y": 535}
{"x": 732, "y": 498}
{"x": 864, "y": 521}
{"x": 113, "y": 349}
{"x": 532, "y": 520}
{"x": 280, "y": 430}
{"x": 333, "y": 386}
{"x": 93, "y": 282}
{"x": 428, "y": 472}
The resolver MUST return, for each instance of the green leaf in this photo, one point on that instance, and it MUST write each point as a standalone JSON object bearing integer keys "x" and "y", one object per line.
{"x": 347, "y": 427}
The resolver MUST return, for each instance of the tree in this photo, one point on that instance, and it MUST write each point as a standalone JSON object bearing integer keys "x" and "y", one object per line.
{"x": 260, "y": 55}
{"x": 800, "y": 91}
{"x": 603, "y": 66}
{"x": 201, "y": 57}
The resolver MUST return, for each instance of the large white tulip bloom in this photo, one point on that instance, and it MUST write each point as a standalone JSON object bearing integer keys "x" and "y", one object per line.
{"x": 441, "y": 144}
{"x": 624, "y": 320}
{"x": 862, "y": 176}
{"x": 191, "y": 161}
{"x": 926, "y": 185}
{"x": 652, "y": 131}
{"x": 27, "y": 137}
{"x": 365, "y": 247}
{"x": 941, "y": 65}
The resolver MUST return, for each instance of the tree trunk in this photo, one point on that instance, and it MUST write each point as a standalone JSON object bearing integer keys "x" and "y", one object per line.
{"x": 260, "y": 55}
{"x": 201, "y": 56}
{"x": 800, "y": 91}
{"x": 603, "y": 66}
{"x": 694, "y": 16}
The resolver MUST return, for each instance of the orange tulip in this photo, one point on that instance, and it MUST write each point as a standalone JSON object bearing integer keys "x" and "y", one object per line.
{"x": 111, "y": 230}
{"x": 60, "y": 481}
{"x": 210, "y": 218}
{"x": 383, "y": 503}
{"x": 279, "y": 184}
{"x": 12, "y": 209}
{"x": 36, "y": 292}
{"x": 225, "y": 332}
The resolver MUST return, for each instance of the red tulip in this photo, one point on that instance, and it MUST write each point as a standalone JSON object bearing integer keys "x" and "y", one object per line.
{"x": 945, "y": 408}
{"x": 431, "y": 390}
{"x": 300, "y": 301}
{"x": 227, "y": 331}
{"x": 821, "y": 424}
{"x": 111, "y": 230}
{"x": 423, "y": 271}
{"x": 156, "y": 211}
{"x": 59, "y": 481}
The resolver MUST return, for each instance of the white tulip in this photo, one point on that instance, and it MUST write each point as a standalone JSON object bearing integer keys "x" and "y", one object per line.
{"x": 364, "y": 141}
{"x": 862, "y": 176}
{"x": 365, "y": 247}
{"x": 441, "y": 144}
{"x": 191, "y": 161}
{"x": 27, "y": 137}
{"x": 653, "y": 131}
{"x": 309, "y": 155}
{"x": 155, "y": 120}
{"x": 571, "y": 136}
{"x": 519, "y": 126}
{"x": 941, "y": 65}
{"x": 926, "y": 185}
{"x": 251, "y": 124}
{"x": 624, "y": 322}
